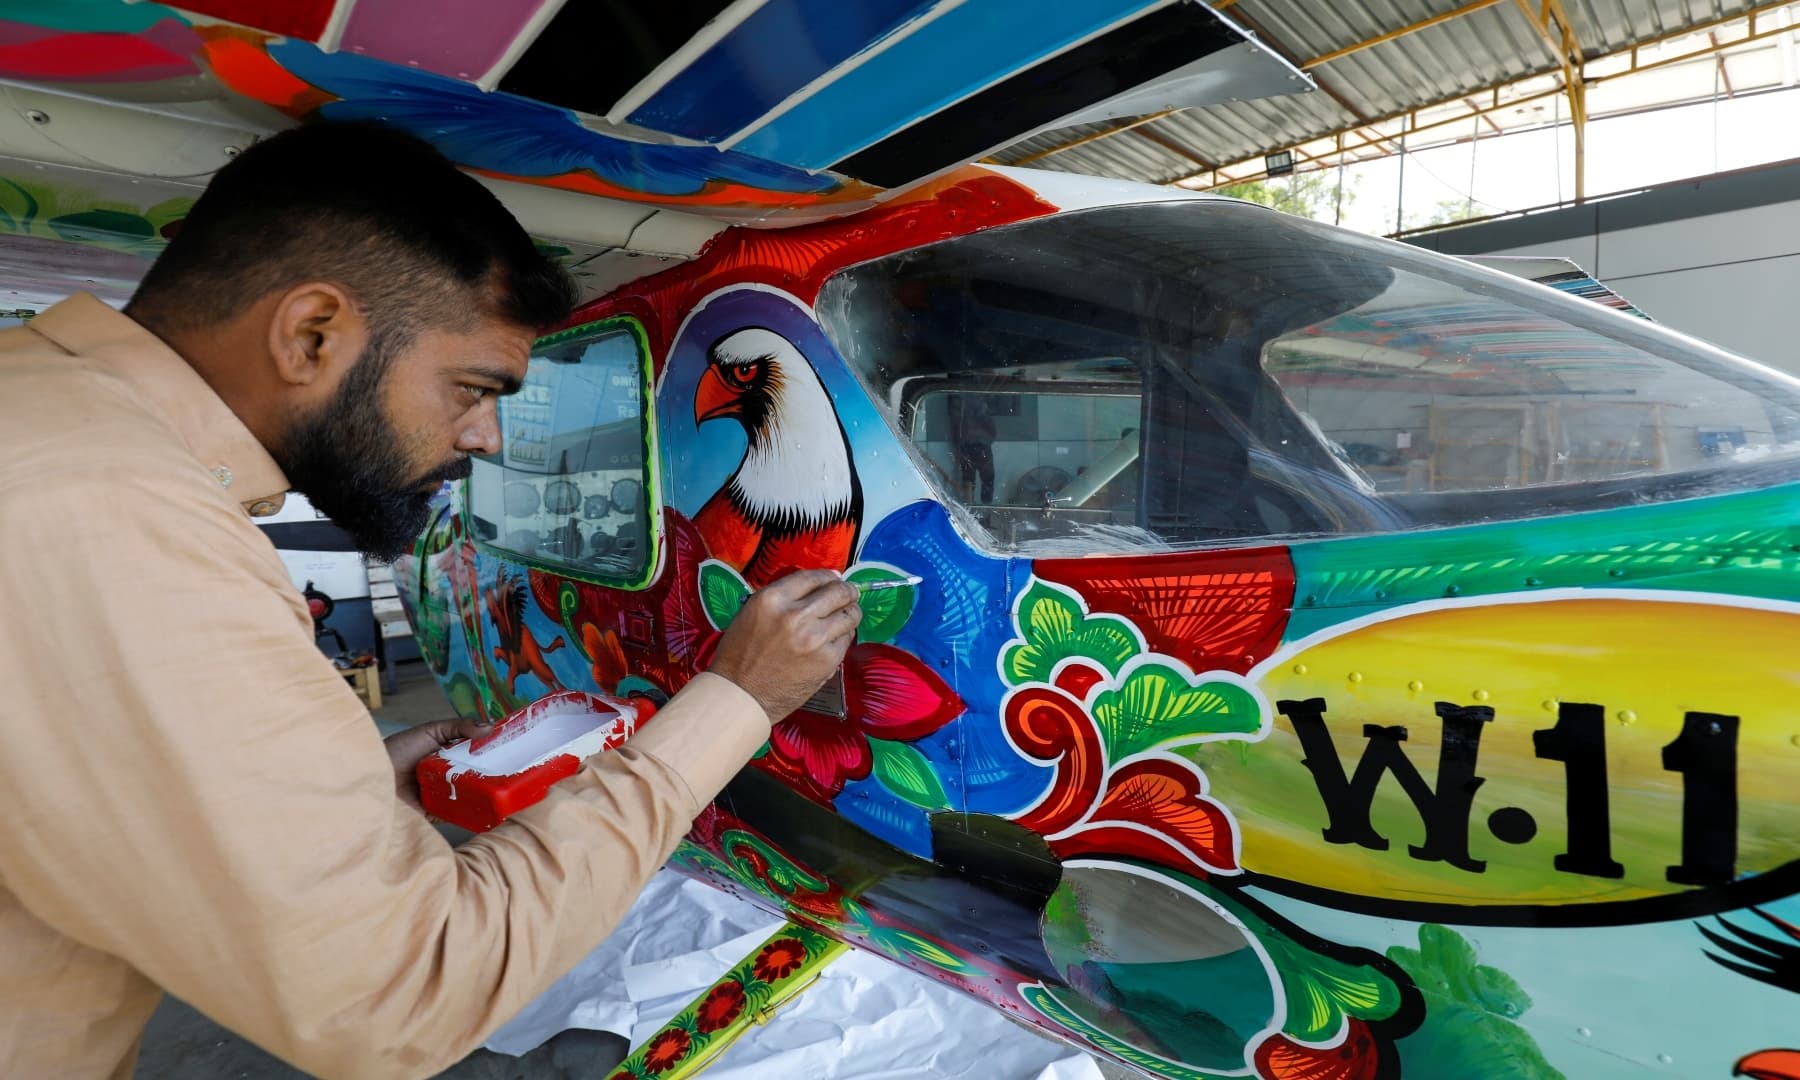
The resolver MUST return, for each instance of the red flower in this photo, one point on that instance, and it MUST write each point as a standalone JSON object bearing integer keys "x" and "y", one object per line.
{"x": 779, "y": 959}
{"x": 1357, "y": 1057}
{"x": 1154, "y": 809}
{"x": 666, "y": 1051}
{"x": 719, "y": 1008}
{"x": 888, "y": 694}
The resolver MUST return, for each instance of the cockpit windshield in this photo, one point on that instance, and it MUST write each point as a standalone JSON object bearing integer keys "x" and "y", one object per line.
{"x": 1168, "y": 374}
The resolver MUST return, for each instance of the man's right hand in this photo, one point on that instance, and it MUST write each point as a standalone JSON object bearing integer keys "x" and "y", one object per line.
{"x": 789, "y": 638}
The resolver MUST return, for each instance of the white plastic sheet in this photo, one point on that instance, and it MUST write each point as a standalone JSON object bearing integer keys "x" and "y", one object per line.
{"x": 865, "y": 1018}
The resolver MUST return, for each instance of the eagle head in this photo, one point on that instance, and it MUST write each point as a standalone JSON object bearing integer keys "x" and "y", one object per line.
{"x": 743, "y": 377}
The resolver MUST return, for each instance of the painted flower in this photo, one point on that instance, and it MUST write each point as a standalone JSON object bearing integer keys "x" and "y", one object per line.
{"x": 1356, "y": 1057}
{"x": 888, "y": 694}
{"x": 666, "y": 1051}
{"x": 779, "y": 959}
{"x": 719, "y": 1008}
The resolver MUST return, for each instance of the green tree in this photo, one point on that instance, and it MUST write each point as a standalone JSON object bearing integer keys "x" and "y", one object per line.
{"x": 1312, "y": 195}
{"x": 1447, "y": 212}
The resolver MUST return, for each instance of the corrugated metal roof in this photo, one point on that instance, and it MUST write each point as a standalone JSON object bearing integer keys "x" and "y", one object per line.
{"x": 1472, "y": 53}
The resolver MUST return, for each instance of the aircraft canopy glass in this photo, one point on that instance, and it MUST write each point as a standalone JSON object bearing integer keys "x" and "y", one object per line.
{"x": 1168, "y": 374}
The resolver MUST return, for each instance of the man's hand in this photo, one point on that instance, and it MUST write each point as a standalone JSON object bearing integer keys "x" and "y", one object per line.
{"x": 407, "y": 748}
{"x": 789, "y": 638}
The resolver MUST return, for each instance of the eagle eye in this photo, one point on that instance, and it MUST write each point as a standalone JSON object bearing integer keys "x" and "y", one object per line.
{"x": 741, "y": 376}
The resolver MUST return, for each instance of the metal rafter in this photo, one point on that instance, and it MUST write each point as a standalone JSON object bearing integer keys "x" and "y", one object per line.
{"x": 1269, "y": 42}
{"x": 1092, "y": 136}
{"x": 1635, "y": 66}
{"x": 1173, "y": 147}
{"x": 1547, "y": 19}
{"x": 1393, "y": 35}
{"x": 1286, "y": 54}
{"x": 1552, "y": 25}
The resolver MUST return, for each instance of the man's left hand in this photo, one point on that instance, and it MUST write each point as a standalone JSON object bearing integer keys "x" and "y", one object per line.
{"x": 407, "y": 748}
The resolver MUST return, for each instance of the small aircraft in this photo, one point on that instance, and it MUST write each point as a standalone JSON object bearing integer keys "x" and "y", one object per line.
{"x": 1304, "y": 657}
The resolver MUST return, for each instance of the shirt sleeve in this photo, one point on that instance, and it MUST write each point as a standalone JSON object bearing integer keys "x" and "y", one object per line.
{"x": 189, "y": 785}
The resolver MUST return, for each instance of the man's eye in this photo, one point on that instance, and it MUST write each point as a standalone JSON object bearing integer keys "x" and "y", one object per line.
{"x": 478, "y": 392}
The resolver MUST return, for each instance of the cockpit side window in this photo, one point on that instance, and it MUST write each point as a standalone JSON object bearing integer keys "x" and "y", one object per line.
{"x": 1166, "y": 375}
{"x": 572, "y": 489}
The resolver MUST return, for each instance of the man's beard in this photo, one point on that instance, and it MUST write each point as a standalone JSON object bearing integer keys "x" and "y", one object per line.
{"x": 349, "y": 461}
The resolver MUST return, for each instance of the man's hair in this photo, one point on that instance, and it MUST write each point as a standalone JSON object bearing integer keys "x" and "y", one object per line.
{"x": 380, "y": 213}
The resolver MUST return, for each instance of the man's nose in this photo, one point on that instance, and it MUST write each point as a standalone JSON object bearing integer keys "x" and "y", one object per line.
{"x": 482, "y": 433}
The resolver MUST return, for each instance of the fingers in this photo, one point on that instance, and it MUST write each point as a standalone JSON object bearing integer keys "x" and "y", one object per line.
{"x": 799, "y": 585}
{"x": 445, "y": 732}
{"x": 831, "y": 598}
{"x": 472, "y": 729}
{"x": 841, "y": 631}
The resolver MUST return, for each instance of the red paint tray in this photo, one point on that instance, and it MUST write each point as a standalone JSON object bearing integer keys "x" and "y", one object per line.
{"x": 478, "y": 783}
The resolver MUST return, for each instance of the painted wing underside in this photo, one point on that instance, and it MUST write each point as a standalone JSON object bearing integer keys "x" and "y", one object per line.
{"x": 678, "y": 117}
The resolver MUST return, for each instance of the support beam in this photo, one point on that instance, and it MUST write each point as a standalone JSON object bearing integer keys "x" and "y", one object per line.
{"x": 1552, "y": 25}
{"x": 1482, "y": 114}
{"x": 1092, "y": 136}
{"x": 1392, "y": 35}
{"x": 1268, "y": 41}
{"x": 1172, "y": 146}
{"x": 1546, "y": 22}
{"x": 1719, "y": 55}
{"x": 1364, "y": 141}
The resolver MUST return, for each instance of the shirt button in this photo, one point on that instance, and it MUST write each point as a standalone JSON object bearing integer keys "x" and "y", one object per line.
{"x": 224, "y": 476}
{"x": 263, "y": 508}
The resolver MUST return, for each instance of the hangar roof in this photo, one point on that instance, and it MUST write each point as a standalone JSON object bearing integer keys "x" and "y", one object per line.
{"x": 1435, "y": 71}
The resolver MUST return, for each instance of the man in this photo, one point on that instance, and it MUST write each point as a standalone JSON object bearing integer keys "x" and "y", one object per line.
{"x": 193, "y": 799}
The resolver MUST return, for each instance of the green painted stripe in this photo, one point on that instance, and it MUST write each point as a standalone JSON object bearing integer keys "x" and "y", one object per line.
{"x": 1742, "y": 544}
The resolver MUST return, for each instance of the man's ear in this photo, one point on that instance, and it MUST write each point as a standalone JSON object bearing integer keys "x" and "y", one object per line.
{"x": 316, "y": 332}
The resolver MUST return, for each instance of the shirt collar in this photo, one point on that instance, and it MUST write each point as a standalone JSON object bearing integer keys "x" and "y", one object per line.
{"x": 84, "y": 326}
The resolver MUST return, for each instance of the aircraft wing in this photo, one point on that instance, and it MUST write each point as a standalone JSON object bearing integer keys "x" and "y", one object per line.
{"x": 1558, "y": 273}
{"x": 624, "y": 134}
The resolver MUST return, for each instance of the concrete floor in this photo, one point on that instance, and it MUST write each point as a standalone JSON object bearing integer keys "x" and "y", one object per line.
{"x": 181, "y": 1043}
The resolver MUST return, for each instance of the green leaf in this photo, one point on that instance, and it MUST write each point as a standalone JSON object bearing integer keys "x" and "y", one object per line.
{"x": 903, "y": 945}
{"x": 18, "y": 208}
{"x": 1053, "y": 628}
{"x": 698, "y": 858}
{"x": 885, "y": 611}
{"x": 1471, "y": 1010}
{"x": 1157, "y": 706}
{"x": 905, "y": 772}
{"x": 1320, "y": 989}
{"x": 168, "y": 211}
{"x": 464, "y": 695}
{"x": 787, "y": 875}
{"x": 1498, "y": 992}
{"x": 1046, "y": 1004}
{"x": 722, "y": 593}
{"x": 109, "y": 223}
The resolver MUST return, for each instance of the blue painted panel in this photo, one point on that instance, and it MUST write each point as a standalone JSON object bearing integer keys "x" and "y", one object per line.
{"x": 783, "y": 46}
{"x": 514, "y": 136}
{"x": 952, "y": 57}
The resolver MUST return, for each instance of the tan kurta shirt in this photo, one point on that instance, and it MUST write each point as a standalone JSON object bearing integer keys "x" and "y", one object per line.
{"x": 192, "y": 799}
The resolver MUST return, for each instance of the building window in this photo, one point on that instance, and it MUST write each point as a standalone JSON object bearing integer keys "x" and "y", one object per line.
{"x": 573, "y": 487}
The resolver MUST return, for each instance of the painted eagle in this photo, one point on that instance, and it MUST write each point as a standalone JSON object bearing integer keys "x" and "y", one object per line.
{"x": 795, "y": 501}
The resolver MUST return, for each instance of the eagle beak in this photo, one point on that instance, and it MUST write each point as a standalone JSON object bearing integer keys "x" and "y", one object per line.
{"x": 1770, "y": 1065}
{"x": 713, "y": 398}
